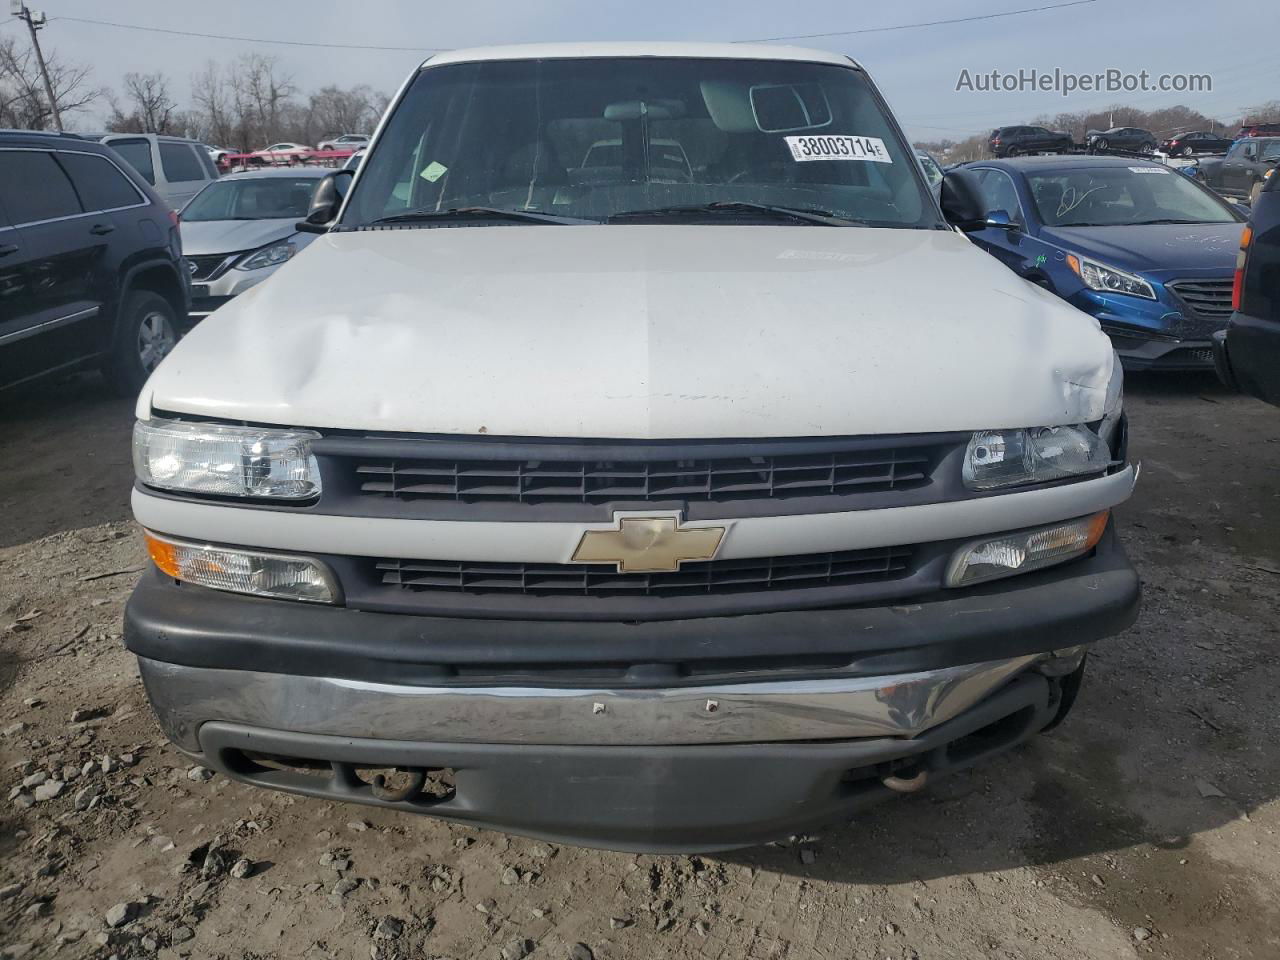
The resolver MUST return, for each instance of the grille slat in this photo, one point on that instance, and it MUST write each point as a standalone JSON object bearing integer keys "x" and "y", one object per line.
{"x": 779, "y": 476}
{"x": 1207, "y": 299}
{"x": 205, "y": 267}
{"x": 703, "y": 578}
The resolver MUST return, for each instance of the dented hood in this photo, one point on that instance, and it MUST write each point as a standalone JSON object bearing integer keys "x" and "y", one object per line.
{"x": 641, "y": 331}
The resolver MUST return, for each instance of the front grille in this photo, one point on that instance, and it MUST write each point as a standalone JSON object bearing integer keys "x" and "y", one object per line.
{"x": 206, "y": 268}
{"x": 830, "y": 473}
{"x": 1208, "y": 300}
{"x": 1187, "y": 358}
{"x": 704, "y": 578}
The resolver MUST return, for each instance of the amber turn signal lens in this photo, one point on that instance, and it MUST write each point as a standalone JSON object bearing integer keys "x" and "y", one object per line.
{"x": 1025, "y": 550}
{"x": 1097, "y": 526}
{"x": 164, "y": 555}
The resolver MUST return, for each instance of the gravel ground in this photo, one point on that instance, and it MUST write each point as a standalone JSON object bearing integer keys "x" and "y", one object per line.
{"x": 1146, "y": 826}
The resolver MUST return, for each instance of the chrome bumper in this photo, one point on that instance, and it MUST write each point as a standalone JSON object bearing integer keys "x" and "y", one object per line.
{"x": 902, "y": 705}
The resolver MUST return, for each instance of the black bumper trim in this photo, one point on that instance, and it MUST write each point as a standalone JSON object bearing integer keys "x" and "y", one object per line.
{"x": 660, "y": 799}
{"x": 1079, "y": 602}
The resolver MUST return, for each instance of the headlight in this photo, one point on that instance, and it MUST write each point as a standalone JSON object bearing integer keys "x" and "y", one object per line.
{"x": 271, "y": 256}
{"x": 1005, "y": 458}
{"x": 243, "y": 571}
{"x": 1022, "y": 552}
{"x": 1098, "y": 276}
{"x": 229, "y": 461}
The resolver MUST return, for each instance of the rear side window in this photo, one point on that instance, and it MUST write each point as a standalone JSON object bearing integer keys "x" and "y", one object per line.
{"x": 138, "y": 155}
{"x": 206, "y": 162}
{"x": 101, "y": 186}
{"x": 33, "y": 187}
{"x": 179, "y": 163}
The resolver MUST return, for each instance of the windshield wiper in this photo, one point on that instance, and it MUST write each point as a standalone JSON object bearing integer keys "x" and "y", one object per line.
{"x": 477, "y": 213}
{"x": 822, "y": 217}
{"x": 1144, "y": 223}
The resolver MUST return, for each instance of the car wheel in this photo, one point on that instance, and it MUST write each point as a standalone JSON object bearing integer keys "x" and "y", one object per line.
{"x": 1146, "y": 148}
{"x": 1101, "y": 144}
{"x": 1186, "y": 151}
{"x": 145, "y": 333}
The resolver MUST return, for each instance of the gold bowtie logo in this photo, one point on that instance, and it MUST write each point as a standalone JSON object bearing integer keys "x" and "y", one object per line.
{"x": 649, "y": 545}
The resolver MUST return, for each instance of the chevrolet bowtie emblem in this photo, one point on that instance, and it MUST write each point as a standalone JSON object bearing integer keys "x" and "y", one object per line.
{"x": 649, "y": 544}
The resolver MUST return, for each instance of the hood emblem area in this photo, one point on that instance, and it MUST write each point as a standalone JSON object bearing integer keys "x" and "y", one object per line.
{"x": 649, "y": 544}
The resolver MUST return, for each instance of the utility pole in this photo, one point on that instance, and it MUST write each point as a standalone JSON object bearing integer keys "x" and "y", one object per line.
{"x": 34, "y": 21}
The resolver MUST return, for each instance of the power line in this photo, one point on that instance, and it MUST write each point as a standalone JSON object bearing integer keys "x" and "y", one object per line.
{"x": 359, "y": 46}
{"x": 223, "y": 36}
{"x": 930, "y": 23}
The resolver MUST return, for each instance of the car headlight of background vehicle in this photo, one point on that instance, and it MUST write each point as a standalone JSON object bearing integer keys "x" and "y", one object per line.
{"x": 269, "y": 256}
{"x": 224, "y": 460}
{"x": 1099, "y": 276}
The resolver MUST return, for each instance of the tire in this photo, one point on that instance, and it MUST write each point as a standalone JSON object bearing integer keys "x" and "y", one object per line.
{"x": 1147, "y": 148}
{"x": 1186, "y": 151}
{"x": 145, "y": 333}
{"x": 1101, "y": 146}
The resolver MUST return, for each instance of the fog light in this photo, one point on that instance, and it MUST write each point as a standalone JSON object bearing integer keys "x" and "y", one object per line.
{"x": 1024, "y": 551}
{"x": 243, "y": 571}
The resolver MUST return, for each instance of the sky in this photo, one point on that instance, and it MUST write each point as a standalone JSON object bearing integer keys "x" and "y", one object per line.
{"x": 916, "y": 69}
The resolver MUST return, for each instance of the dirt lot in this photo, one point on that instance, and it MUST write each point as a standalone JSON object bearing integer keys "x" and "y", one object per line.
{"x": 1146, "y": 826}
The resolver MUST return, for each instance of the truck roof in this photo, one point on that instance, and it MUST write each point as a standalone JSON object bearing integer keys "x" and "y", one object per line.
{"x": 639, "y": 48}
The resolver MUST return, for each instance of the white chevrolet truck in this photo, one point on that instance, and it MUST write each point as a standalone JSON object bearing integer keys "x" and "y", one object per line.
{"x": 647, "y": 505}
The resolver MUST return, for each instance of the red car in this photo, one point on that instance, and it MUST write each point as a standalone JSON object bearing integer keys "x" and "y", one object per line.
{"x": 1259, "y": 130}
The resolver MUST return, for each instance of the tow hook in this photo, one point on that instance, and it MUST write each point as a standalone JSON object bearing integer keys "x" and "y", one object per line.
{"x": 417, "y": 779}
{"x": 912, "y": 784}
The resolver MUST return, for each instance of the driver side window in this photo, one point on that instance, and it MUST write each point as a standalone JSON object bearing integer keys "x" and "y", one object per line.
{"x": 998, "y": 193}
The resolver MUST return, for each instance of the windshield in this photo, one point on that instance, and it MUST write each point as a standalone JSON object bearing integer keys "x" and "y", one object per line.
{"x": 1122, "y": 196}
{"x": 595, "y": 138}
{"x": 932, "y": 172}
{"x": 268, "y": 198}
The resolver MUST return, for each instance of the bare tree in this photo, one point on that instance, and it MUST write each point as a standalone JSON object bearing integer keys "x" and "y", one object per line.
{"x": 150, "y": 95}
{"x": 260, "y": 92}
{"x": 213, "y": 112}
{"x": 23, "y": 102}
{"x": 1268, "y": 112}
{"x": 334, "y": 110}
{"x": 151, "y": 108}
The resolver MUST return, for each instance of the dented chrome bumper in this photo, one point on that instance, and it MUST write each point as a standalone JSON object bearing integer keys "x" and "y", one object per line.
{"x": 902, "y": 705}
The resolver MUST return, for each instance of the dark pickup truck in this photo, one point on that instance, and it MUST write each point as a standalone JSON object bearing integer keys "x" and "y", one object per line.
{"x": 1245, "y": 168}
{"x": 1248, "y": 351}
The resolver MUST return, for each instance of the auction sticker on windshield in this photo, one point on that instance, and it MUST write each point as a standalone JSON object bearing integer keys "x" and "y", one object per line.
{"x": 838, "y": 147}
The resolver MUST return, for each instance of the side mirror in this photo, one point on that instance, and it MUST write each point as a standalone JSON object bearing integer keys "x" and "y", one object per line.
{"x": 1000, "y": 220}
{"x": 326, "y": 202}
{"x": 961, "y": 199}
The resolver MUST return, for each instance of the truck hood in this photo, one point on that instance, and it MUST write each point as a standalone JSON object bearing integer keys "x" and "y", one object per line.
{"x": 203, "y": 237}
{"x": 1163, "y": 248}
{"x": 641, "y": 331}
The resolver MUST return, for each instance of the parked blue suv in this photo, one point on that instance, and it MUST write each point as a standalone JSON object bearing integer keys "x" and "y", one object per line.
{"x": 1149, "y": 253}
